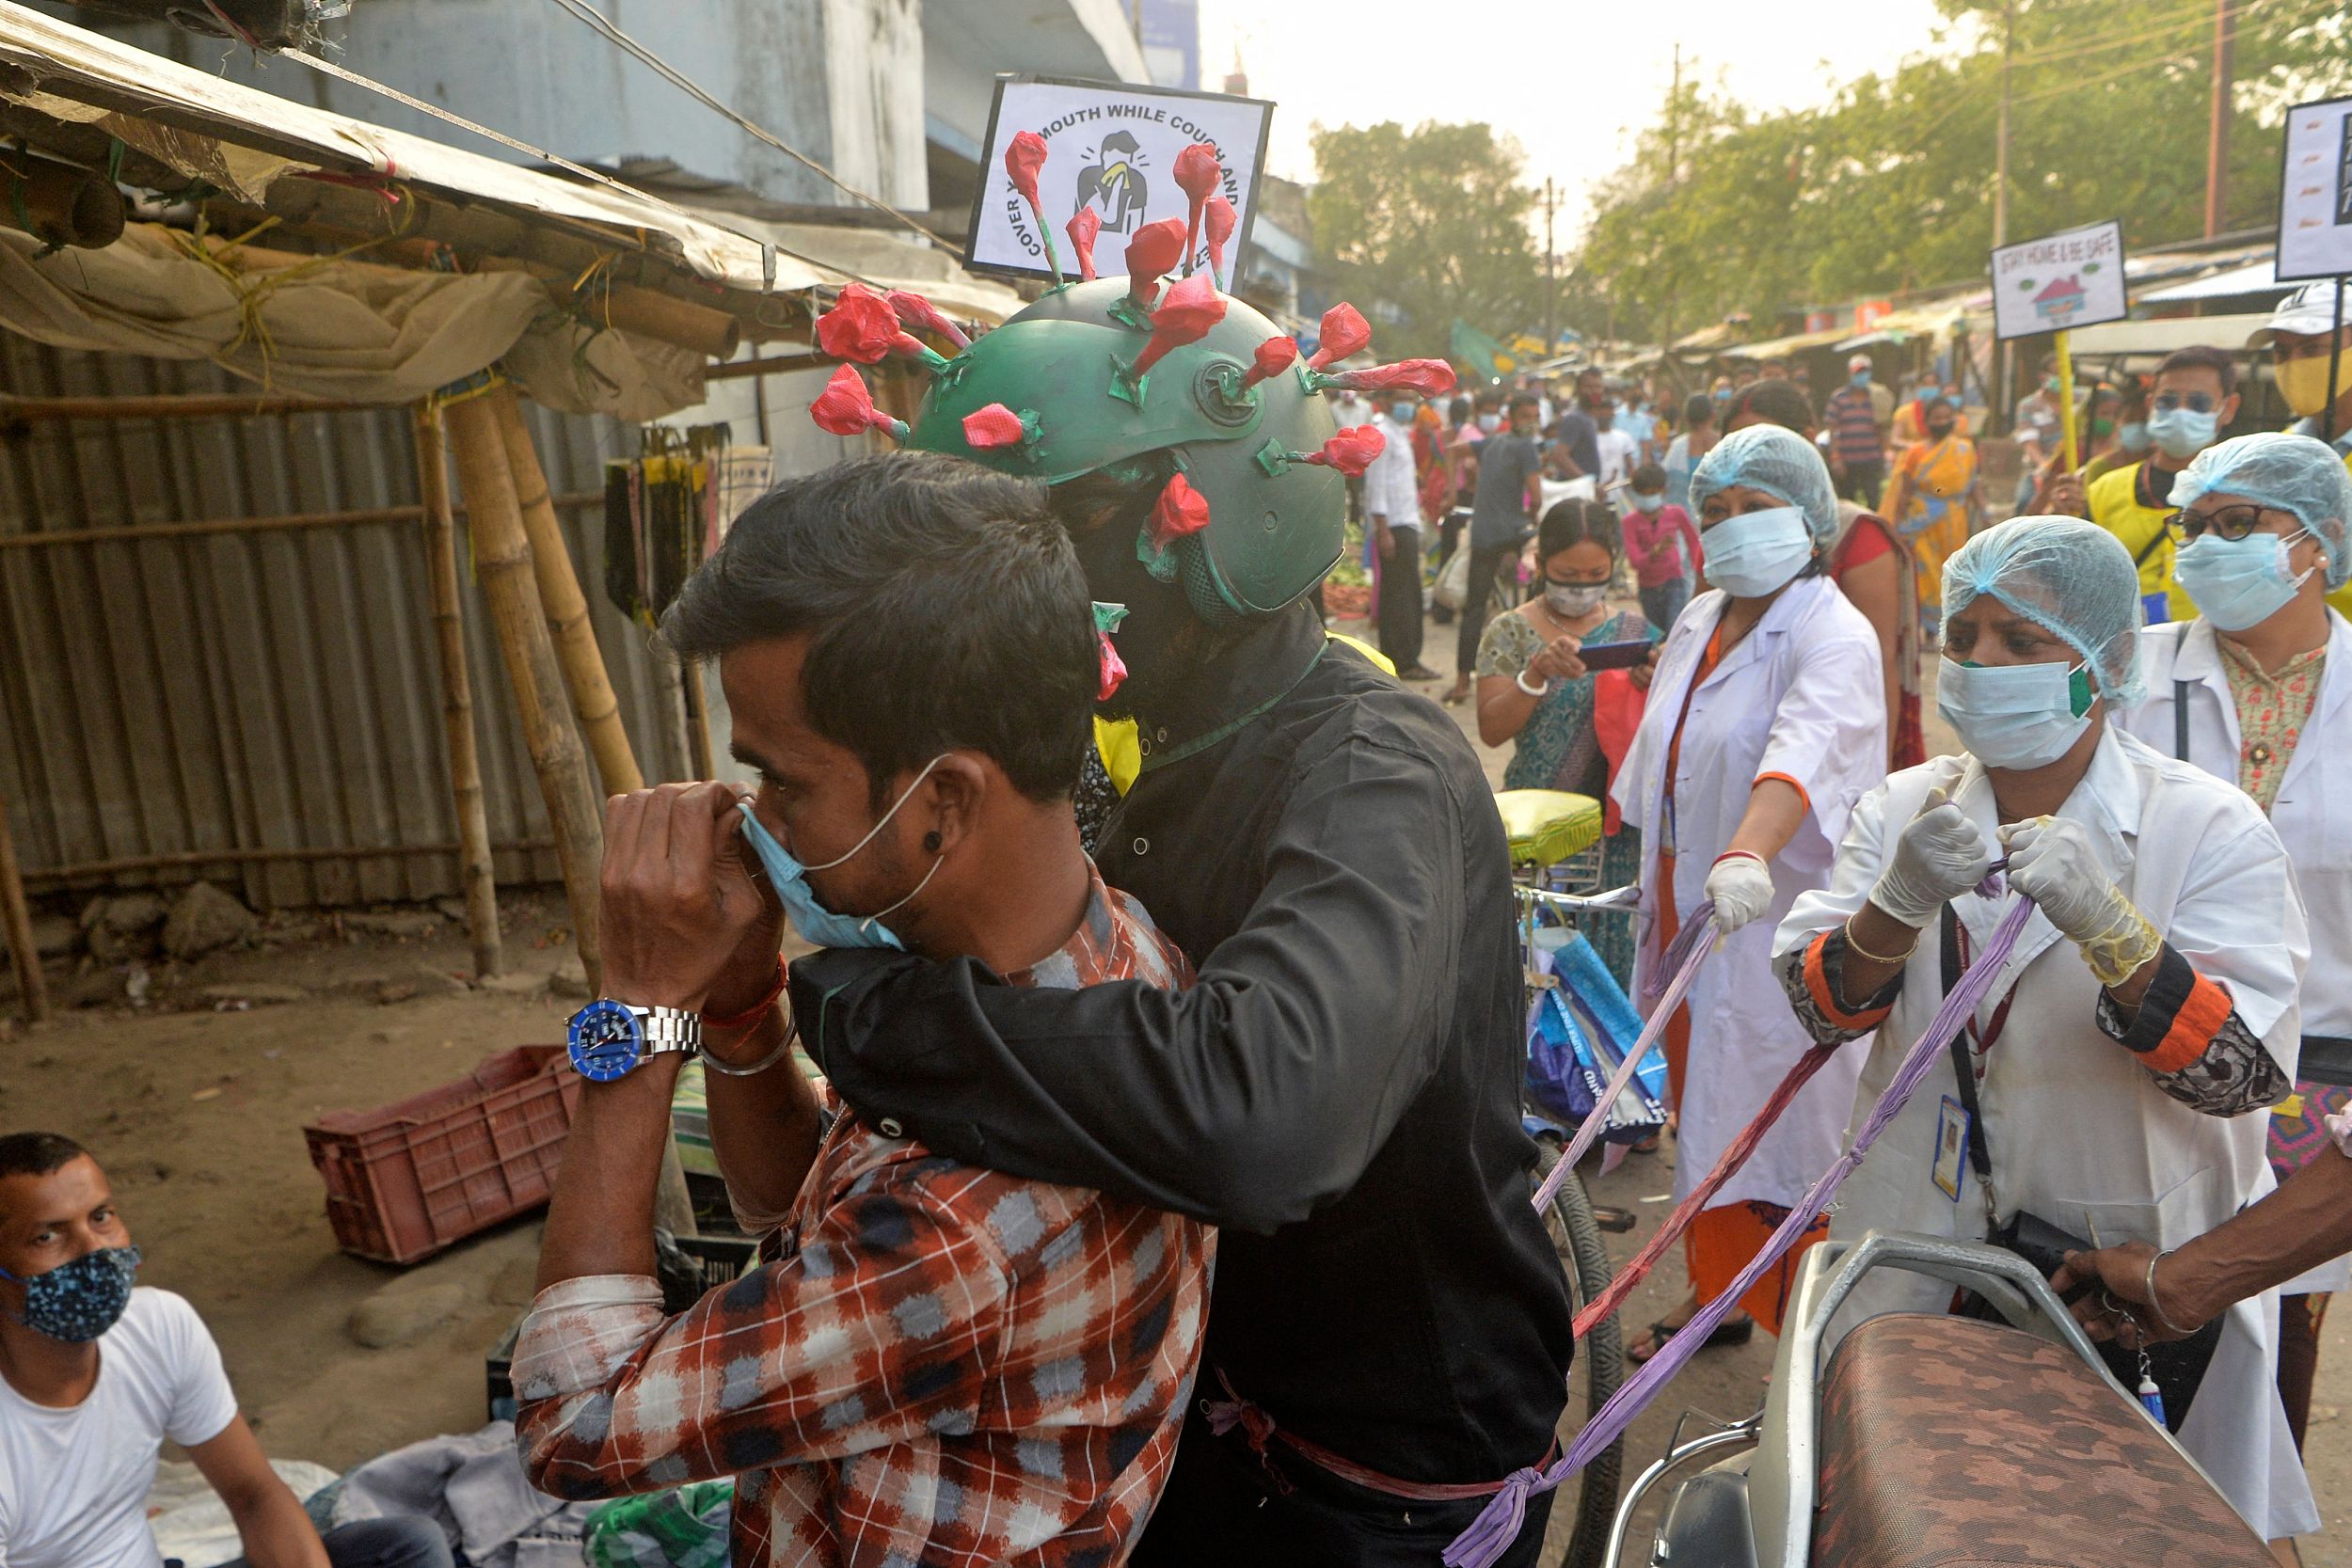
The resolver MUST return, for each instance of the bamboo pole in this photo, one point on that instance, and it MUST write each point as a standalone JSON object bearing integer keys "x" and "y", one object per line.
{"x": 465, "y": 762}
{"x": 592, "y": 702}
{"x": 697, "y": 721}
{"x": 502, "y": 559}
{"x": 50, "y": 538}
{"x": 31, "y": 988}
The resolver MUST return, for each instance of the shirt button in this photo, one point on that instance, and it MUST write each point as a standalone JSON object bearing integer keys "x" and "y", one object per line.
{"x": 889, "y": 1127}
{"x": 2262, "y": 754}
{"x": 1161, "y": 735}
{"x": 1143, "y": 847}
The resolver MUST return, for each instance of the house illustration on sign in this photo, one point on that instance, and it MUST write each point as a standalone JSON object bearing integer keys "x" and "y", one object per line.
{"x": 2060, "y": 300}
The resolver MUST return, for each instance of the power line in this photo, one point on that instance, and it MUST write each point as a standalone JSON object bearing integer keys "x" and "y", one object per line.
{"x": 611, "y": 32}
{"x": 595, "y": 176}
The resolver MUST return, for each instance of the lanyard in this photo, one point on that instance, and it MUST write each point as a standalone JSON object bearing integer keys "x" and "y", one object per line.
{"x": 1983, "y": 1040}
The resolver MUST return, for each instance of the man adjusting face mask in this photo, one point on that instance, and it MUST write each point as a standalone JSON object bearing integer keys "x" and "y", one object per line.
{"x": 790, "y": 877}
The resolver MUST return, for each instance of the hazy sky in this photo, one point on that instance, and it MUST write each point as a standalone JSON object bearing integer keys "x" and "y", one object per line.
{"x": 1572, "y": 80}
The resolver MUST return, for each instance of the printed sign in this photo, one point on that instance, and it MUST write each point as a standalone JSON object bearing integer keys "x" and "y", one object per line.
{"x": 1113, "y": 148}
{"x": 2070, "y": 279}
{"x": 2315, "y": 192}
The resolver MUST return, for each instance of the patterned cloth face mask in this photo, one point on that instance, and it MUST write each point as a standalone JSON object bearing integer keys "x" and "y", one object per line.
{"x": 77, "y": 1301}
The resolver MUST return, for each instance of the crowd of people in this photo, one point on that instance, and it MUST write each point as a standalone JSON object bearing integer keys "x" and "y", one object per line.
{"x": 1164, "y": 1194}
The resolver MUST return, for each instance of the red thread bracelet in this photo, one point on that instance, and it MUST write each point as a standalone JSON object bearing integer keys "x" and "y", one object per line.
{"x": 752, "y": 1014}
{"x": 1742, "y": 855}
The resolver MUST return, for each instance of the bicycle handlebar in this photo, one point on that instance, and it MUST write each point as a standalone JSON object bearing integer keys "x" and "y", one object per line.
{"x": 1615, "y": 898}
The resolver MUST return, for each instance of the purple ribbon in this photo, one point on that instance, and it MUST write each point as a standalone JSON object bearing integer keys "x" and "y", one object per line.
{"x": 1688, "y": 950}
{"x": 1491, "y": 1533}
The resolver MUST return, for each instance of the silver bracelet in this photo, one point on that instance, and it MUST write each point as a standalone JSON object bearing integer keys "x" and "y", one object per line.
{"x": 2149, "y": 1284}
{"x": 1521, "y": 681}
{"x": 792, "y": 1033}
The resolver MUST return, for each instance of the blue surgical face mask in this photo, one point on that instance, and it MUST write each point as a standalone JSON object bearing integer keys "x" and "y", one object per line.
{"x": 1648, "y": 500}
{"x": 1860, "y": 378}
{"x": 1756, "y": 553}
{"x": 1489, "y": 423}
{"x": 2015, "y": 715}
{"x": 77, "y": 1301}
{"x": 2132, "y": 436}
{"x": 2239, "y": 583}
{"x": 2183, "y": 432}
{"x": 790, "y": 877}
{"x": 1401, "y": 412}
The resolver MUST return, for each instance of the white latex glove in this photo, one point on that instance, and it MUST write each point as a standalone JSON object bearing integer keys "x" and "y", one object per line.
{"x": 1941, "y": 854}
{"x": 2051, "y": 861}
{"x": 1741, "y": 888}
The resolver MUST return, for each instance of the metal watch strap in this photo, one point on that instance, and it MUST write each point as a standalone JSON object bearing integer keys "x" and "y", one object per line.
{"x": 670, "y": 1029}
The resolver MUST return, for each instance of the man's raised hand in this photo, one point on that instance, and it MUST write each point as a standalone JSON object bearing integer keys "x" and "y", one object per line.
{"x": 685, "y": 923}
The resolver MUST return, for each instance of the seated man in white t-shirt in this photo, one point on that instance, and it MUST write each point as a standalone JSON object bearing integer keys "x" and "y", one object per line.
{"x": 94, "y": 1374}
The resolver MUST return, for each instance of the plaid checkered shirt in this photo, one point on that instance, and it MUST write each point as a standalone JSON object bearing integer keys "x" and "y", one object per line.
{"x": 940, "y": 1364}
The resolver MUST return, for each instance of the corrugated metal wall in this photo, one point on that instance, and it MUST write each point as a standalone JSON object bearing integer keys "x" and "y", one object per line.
{"x": 261, "y": 690}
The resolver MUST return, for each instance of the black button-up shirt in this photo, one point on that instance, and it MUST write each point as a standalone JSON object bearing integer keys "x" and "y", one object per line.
{"x": 1339, "y": 1090}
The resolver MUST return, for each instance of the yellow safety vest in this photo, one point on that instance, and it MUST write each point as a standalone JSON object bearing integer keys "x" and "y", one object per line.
{"x": 2114, "y": 497}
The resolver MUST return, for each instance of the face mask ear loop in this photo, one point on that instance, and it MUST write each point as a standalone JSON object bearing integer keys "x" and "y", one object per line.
{"x": 884, "y": 822}
{"x": 912, "y": 893}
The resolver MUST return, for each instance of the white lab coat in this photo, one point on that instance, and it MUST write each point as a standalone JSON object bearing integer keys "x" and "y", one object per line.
{"x": 1390, "y": 487}
{"x": 2080, "y": 1135}
{"x": 1800, "y": 695}
{"x": 2312, "y": 812}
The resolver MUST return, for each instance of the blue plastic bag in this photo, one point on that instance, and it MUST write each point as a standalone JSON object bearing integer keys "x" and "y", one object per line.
{"x": 1579, "y": 1032}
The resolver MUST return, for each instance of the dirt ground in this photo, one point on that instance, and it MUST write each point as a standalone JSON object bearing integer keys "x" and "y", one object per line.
{"x": 197, "y": 1114}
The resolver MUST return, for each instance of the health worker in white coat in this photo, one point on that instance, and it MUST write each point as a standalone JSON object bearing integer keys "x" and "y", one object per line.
{"x": 2118, "y": 1071}
{"x": 1766, "y": 721}
{"x": 2258, "y": 690}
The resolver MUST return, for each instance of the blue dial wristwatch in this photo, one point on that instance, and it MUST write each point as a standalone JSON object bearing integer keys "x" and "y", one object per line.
{"x": 611, "y": 1040}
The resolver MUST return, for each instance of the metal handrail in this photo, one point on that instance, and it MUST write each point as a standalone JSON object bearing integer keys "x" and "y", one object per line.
{"x": 1746, "y": 1435}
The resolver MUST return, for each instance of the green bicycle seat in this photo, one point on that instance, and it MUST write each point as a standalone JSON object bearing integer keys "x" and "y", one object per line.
{"x": 1547, "y": 825}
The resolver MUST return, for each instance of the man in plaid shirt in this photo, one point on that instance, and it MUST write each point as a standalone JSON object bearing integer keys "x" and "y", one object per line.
{"x": 933, "y": 1362}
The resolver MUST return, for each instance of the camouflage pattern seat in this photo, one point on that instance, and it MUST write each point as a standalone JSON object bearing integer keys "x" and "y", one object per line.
{"x": 1954, "y": 1442}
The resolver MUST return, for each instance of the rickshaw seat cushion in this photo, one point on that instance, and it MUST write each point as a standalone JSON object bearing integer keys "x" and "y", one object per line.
{"x": 1955, "y": 1443}
{"x": 1547, "y": 825}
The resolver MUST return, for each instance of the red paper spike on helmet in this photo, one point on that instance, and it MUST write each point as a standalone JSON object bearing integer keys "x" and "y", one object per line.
{"x": 1152, "y": 253}
{"x": 1180, "y": 510}
{"x": 1024, "y": 159}
{"x": 1344, "y": 332}
{"x": 1191, "y": 307}
{"x": 1114, "y": 669}
{"x": 861, "y": 327}
{"x": 1350, "y": 452}
{"x": 1274, "y": 356}
{"x": 1219, "y": 220}
{"x": 912, "y": 309}
{"x": 845, "y": 408}
{"x": 1424, "y": 378}
{"x": 994, "y": 426}
{"x": 1197, "y": 176}
{"x": 1084, "y": 225}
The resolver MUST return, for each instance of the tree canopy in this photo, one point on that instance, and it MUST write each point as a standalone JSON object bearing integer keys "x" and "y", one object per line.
{"x": 1433, "y": 221}
{"x": 1888, "y": 185}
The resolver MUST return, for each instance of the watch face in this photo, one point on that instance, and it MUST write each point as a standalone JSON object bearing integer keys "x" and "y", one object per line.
{"x": 606, "y": 1041}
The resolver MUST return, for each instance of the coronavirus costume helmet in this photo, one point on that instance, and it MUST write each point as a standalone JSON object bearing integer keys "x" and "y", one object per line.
{"x": 1150, "y": 382}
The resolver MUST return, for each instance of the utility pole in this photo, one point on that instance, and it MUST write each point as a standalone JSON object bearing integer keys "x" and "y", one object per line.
{"x": 2217, "y": 141}
{"x": 1999, "y": 400}
{"x": 1551, "y": 279}
{"x": 1673, "y": 178}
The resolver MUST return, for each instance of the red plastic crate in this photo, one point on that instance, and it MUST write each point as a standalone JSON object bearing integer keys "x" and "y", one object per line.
{"x": 406, "y": 1180}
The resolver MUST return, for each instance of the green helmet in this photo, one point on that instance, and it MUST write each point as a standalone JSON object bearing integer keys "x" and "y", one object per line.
{"x": 1276, "y": 526}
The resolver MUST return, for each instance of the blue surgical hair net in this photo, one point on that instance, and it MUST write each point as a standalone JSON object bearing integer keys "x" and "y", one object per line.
{"x": 2072, "y": 577}
{"x": 2286, "y": 473}
{"x": 1778, "y": 462}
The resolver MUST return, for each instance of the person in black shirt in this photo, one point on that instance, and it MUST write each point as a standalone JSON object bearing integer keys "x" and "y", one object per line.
{"x": 1339, "y": 1092}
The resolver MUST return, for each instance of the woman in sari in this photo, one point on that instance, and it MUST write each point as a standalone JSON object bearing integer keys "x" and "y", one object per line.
{"x": 1931, "y": 499}
{"x": 1533, "y": 689}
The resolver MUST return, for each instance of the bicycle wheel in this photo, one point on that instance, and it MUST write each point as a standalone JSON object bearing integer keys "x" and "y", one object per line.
{"x": 1584, "y": 1256}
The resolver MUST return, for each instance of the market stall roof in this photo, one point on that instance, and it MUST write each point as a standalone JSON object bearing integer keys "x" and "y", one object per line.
{"x": 1774, "y": 348}
{"x": 1919, "y": 320}
{"x": 2159, "y": 337}
{"x": 1713, "y": 337}
{"x": 2255, "y": 278}
{"x": 251, "y": 139}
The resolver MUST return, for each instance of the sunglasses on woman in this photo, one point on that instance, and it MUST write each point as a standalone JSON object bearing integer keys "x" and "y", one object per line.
{"x": 2231, "y": 522}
